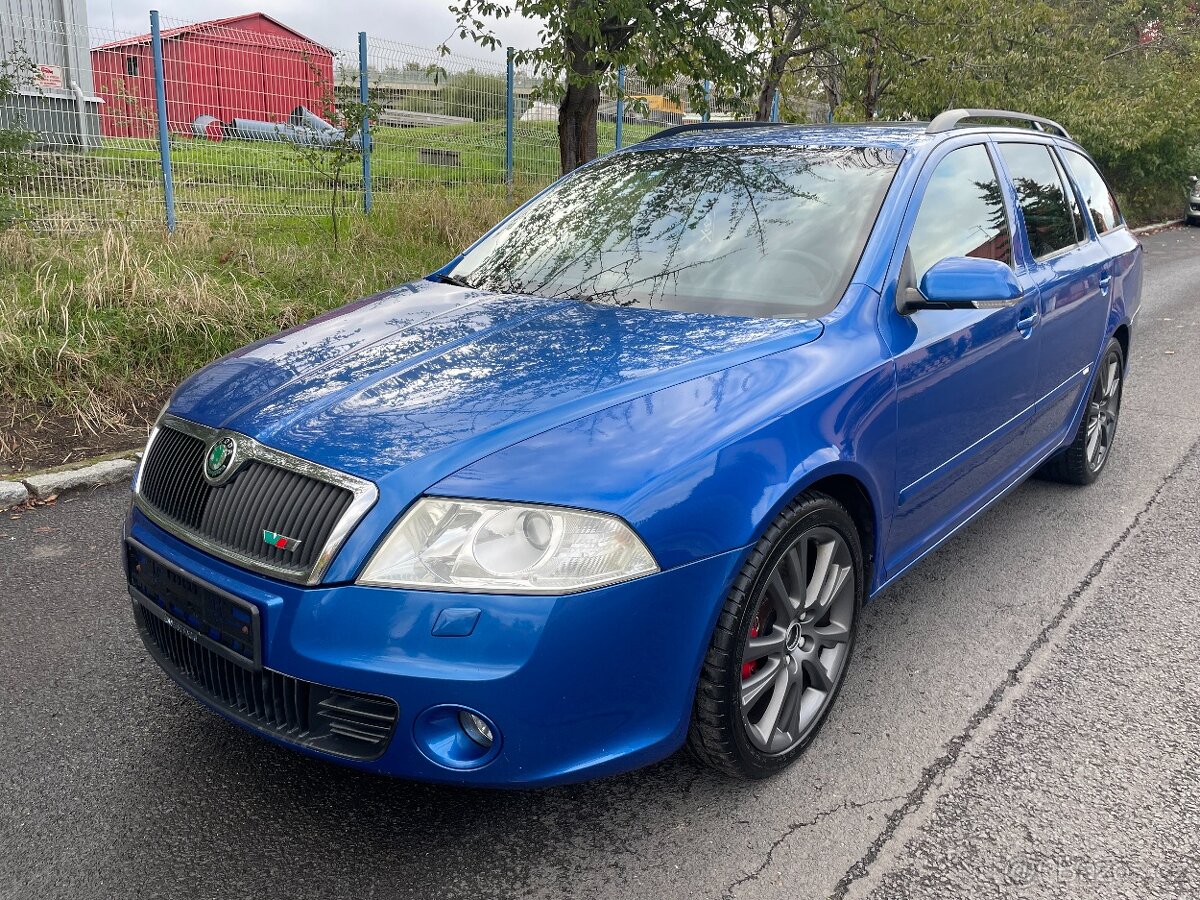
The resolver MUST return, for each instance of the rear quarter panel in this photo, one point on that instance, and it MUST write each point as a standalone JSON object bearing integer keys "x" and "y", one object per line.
{"x": 1128, "y": 269}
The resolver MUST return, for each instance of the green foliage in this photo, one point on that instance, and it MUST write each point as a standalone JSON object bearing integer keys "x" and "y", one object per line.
{"x": 474, "y": 96}
{"x": 1120, "y": 75}
{"x": 795, "y": 42}
{"x": 16, "y": 164}
{"x": 587, "y": 40}
{"x": 96, "y": 328}
{"x": 660, "y": 40}
{"x": 330, "y": 160}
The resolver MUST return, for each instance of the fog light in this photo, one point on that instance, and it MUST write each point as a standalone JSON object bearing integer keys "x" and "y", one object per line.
{"x": 476, "y": 727}
{"x": 457, "y": 737}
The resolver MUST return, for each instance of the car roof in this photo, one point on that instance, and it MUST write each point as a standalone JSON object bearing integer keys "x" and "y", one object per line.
{"x": 895, "y": 135}
{"x": 889, "y": 135}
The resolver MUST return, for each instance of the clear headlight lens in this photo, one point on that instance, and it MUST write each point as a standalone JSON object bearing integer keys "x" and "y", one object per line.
{"x": 477, "y": 545}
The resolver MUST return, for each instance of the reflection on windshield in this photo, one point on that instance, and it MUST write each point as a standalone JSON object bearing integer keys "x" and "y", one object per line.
{"x": 747, "y": 231}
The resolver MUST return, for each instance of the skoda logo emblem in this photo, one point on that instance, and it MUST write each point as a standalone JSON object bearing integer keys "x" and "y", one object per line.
{"x": 220, "y": 458}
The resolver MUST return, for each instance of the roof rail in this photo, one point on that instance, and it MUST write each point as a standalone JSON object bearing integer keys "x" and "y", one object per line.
{"x": 750, "y": 123}
{"x": 951, "y": 117}
{"x": 707, "y": 126}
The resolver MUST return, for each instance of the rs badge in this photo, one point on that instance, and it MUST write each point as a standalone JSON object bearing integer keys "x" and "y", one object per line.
{"x": 280, "y": 542}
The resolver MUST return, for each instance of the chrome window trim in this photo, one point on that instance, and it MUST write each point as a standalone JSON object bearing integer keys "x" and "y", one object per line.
{"x": 364, "y": 492}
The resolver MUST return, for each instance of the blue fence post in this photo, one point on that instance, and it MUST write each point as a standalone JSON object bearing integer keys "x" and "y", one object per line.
{"x": 160, "y": 105}
{"x": 775, "y": 106}
{"x": 508, "y": 124}
{"x": 364, "y": 97}
{"x": 707, "y": 100}
{"x": 620, "y": 103}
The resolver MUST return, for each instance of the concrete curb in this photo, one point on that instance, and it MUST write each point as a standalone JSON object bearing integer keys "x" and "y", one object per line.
{"x": 1160, "y": 225}
{"x": 12, "y": 493}
{"x": 110, "y": 469}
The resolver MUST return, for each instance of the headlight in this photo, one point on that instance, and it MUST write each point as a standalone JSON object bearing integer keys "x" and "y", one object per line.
{"x": 477, "y": 545}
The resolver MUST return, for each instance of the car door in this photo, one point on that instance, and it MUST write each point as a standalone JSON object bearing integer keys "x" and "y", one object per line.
{"x": 1071, "y": 272}
{"x": 965, "y": 377}
{"x": 1121, "y": 247}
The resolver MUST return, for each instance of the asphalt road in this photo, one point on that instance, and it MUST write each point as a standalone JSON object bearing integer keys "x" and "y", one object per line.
{"x": 1022, "y": 719}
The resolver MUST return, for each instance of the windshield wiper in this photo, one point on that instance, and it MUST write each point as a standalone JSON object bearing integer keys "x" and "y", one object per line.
{"x": 454, "y": 280}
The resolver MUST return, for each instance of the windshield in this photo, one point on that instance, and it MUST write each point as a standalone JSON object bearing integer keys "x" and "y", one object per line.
{"x": 747, "y": 231}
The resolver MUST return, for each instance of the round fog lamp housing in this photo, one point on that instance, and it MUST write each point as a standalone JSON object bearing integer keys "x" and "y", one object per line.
{"x": 456, "y": 737}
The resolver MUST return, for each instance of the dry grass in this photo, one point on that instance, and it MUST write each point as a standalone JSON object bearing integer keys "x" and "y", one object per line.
{"x": 96, "y": 329}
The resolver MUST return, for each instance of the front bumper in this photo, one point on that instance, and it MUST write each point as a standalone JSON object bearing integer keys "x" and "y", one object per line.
{"x": 578, "y": 686}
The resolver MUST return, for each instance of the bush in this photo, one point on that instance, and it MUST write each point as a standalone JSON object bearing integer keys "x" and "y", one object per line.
{"x": 16, "y": 164}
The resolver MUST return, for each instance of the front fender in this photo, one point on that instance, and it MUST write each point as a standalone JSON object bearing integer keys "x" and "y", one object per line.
{"x": 703, "y": 467}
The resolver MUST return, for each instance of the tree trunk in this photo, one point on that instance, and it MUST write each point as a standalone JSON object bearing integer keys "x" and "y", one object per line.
{"x": 871, "y": 94}
{"x": 770, "y": 84}
{"x": 577, "y": 125}
{"x": 833, "y": 90}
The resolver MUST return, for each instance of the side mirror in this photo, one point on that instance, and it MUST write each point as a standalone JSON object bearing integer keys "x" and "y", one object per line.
{"x": 964, "y": 282}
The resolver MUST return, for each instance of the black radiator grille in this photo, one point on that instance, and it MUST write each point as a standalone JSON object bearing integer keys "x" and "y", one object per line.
{"x": 233, "y": 517}
{"x": 345, "y": 723}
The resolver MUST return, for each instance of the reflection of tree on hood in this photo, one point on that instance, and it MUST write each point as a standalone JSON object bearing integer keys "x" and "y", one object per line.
{"x": 640, "y": 226}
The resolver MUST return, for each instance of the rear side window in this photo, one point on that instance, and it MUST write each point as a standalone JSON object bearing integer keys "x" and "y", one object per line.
{"x": 1042, "y": 196}
{"x": 962, "y": 213}
{"x": 1081, "y": 232}
{"x": 1101, "y": 204}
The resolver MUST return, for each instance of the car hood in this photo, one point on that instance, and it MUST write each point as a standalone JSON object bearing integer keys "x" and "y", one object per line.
{"x": 442, "y": 375}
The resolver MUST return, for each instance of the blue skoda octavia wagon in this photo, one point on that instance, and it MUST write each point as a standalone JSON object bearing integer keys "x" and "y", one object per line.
{"x": 620, "y": 477}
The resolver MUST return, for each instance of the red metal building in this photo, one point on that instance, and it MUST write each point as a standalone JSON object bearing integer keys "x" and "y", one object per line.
{"x": 246, "y": 67}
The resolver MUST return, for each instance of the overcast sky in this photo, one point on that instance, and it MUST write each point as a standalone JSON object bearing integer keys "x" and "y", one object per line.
{"x": 335, "y": 23}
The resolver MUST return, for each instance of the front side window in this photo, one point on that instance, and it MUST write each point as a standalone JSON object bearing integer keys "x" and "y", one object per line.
{"x": 1042, "y": 196}
{"x": 735, "y": 230}
{"x": 962, "y": 213}
{"x": 1101, "y": 205}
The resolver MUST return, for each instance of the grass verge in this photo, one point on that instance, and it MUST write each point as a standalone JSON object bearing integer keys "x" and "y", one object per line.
{"x": 96, "y": 329}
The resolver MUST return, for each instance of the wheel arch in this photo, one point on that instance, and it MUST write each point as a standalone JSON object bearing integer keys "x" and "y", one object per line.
{"x": 853, "y": 487}
{"x": 1121, "y": 334}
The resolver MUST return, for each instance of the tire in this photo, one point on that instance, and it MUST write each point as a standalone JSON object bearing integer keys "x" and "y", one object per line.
{"x": 1082, "y": 462}
{"x": 809, "y": 653}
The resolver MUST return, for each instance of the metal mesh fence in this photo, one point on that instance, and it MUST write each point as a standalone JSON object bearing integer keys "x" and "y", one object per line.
{"x": 443, "y": 121}
{"x": 252, "y": 115}
{"x": 92, "y": 164}
{"x": 254, "y": 119}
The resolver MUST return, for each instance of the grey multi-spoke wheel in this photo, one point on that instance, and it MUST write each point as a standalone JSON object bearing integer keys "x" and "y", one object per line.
{"x": 1103, "y": 407}
{"x": 782, "y": 643}
{"x": 1084, "y": 459}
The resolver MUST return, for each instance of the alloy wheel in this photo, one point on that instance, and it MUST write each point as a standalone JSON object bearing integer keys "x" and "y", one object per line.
{"x": 1103, "y": 409}
{"x": 799, "y": 640}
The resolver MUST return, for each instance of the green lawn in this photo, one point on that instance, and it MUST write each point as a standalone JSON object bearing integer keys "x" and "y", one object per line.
{"x": 98, "y": 322}
{"x": 122, "y": 180}
{"x": 96, "y": 327}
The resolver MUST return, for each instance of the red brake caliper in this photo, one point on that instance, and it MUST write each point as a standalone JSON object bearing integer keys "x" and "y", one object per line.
{"x": 749, "y": 667}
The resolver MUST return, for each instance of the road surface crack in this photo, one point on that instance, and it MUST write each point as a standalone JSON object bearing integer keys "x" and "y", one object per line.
{"x": 792, "y": 829}
{"x": 954, "y": 747}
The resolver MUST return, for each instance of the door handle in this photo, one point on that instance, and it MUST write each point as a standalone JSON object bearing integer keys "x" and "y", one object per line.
{"x": 1028, "y": 320}
{"x": 1105, "y": 282}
